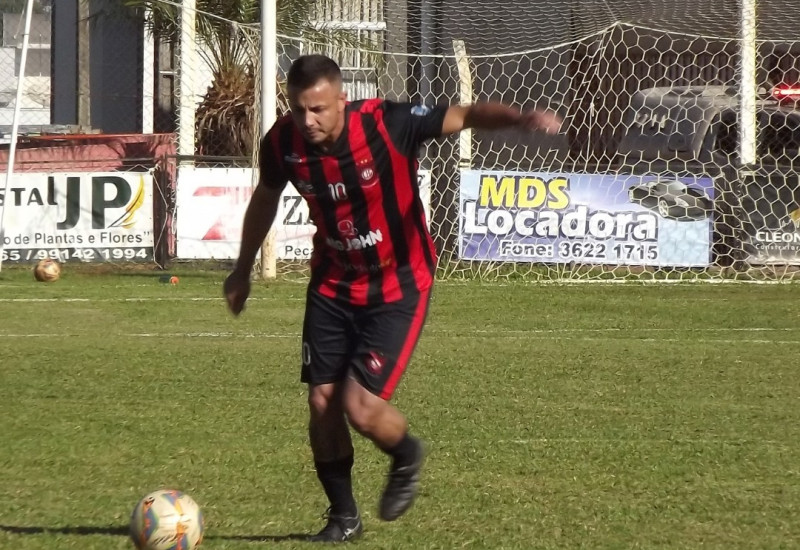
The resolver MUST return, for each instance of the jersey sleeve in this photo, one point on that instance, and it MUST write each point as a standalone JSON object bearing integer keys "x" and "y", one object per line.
{"x": 410, "y": 124}
{"x": 272, "y": 172}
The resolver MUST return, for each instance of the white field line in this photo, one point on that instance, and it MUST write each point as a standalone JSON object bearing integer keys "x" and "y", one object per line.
{"x": 219, "y": 299}
{"x": 626, "y": 329}
{"x": 649, "y": 441}
{"x": 502, "y": 333}
{"x": 588, "y": 335}
{"x": 156, "y": 335}
{"x": 625, "y": 282}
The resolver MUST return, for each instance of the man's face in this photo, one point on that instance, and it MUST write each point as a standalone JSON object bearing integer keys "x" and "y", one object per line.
{"x": 318, "y": 111}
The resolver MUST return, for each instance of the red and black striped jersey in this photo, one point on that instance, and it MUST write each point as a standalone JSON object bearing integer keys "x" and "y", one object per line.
{"x": 372, "y": 243}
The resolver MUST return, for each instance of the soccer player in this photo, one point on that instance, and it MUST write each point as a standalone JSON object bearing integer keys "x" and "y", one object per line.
{"x": 372, "y": 265}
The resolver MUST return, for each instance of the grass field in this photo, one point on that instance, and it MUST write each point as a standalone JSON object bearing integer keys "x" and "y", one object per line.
{"x": 585, "y": 416}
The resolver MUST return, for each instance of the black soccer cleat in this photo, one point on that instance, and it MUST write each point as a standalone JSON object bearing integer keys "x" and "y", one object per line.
{"x": 401, "y": 487}
{"x": 339, "y": 529}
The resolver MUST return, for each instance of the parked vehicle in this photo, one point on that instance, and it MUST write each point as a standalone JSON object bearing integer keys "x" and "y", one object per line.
{"x": 694, "y": 130}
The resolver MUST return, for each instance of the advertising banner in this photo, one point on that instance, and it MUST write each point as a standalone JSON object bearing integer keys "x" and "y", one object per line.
{"x": 771, "y": 211}
{"x": 90, "y": 217}
{"x": 549, "y": 217}
{"x": 211, "y": 203}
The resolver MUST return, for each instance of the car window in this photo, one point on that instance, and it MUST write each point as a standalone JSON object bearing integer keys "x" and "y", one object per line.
{"x": 779, "y": 134}
{"x": 726, "y": 131}
{"x": 665, "y": 123}
{"x": 702, "y": 123}
{"x": 675, "y": 187}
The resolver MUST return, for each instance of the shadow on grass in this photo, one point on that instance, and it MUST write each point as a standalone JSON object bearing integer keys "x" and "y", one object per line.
{"x": 67, "y": 530}
{"x": 260, "y": 538}
{"x": 123, "y": 530}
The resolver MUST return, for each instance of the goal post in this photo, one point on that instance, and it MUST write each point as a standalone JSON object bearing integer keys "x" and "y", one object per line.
{"x": 15, "y": 123}
{"x": 465, "y": 98}
{"x": 268, "y": 110}
{"x": 748, "y": 86}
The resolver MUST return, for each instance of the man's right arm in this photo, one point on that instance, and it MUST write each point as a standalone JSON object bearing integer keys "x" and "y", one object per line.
{"x": 494, "y": 116}
{"x": 258, "y": 219}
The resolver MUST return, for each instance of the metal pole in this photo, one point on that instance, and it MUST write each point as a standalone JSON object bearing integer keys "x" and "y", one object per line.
{"x": 748, "y": 89}
{"x": 148, "y": 78}
{"x": 12, "y": 150}
{"x": 188, "y": 63}
{"x": 269, "y": 105}
{"x": 465, "y": 91}
{"x": 748, "y": 124}
{"x": 269, "y": 62}
{"x": 427, "y": 42}
{"x": 84, "y": 68}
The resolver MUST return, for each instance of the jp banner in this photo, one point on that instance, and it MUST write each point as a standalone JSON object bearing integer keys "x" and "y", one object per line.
{"x": 90, "y": 217}
{"x": 615, "y": 219}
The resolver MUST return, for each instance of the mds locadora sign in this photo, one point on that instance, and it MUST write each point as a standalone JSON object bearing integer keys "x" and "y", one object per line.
{"x": 549, "y": 217}
{"x": 78, "y": 216}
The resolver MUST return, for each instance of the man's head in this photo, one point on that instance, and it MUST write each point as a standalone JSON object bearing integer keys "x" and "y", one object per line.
{"x": 316, "y": 98}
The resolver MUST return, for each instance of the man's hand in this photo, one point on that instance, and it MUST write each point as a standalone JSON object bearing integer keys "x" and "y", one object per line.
{"x": 537, "y": 119}
{"x": 236, "y": 289}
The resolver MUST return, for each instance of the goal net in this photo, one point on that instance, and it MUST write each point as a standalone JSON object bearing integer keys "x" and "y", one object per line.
{"x": 677, "y": 154}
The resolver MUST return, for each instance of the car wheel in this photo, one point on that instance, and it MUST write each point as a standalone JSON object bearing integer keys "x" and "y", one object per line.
{"x": 663, "y": 208}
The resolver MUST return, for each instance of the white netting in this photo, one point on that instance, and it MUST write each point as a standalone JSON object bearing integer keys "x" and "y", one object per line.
{"x": 646, "y": 178}
{"x": 36, "y": 99}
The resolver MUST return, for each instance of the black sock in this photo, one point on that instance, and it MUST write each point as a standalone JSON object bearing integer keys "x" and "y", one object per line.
{"x": 337, "y": 483}
{"x": 404, "y": 452}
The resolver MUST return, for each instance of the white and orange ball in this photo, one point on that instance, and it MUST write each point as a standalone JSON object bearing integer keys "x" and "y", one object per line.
{"x": 47, "y": 271}
{"x": 167, "y": 520}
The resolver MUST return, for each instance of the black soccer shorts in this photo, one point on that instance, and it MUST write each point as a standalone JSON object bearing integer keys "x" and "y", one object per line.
{"x": 375, "y": 342}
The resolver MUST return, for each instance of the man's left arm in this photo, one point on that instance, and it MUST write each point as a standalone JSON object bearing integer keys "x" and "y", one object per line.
{"x": 495, "y": 116}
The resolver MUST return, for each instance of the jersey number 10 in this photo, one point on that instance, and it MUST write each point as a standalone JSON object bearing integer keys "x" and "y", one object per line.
{"x": 338, "y": 191}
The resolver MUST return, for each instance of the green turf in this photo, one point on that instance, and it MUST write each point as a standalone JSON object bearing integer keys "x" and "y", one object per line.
{"x": 586, "y": 416}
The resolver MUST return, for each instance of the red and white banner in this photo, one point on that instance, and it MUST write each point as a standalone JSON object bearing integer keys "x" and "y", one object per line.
{"x": 210, "y": 208}
{"x": 210, "y": 204}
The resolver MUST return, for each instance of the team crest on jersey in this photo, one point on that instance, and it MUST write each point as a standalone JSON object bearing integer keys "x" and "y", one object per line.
{"x": 374, "y": 363}
{"x": 367, "y": 173}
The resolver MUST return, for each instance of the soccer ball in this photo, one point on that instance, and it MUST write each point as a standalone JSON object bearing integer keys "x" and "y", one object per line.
{"x": 47, "y": 271}
{"x": 167, "y": 520}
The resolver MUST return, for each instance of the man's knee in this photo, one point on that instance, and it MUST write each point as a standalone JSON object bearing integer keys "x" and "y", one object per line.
{"x": 323, "y": 401}
{"x": 361, "y": 407}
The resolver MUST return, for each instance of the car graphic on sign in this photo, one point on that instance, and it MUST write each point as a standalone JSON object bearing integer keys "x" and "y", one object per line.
{"x": 671, "y": 199}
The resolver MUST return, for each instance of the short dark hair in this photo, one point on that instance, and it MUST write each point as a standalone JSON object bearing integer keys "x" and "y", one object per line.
{"x": 307, "y": 70}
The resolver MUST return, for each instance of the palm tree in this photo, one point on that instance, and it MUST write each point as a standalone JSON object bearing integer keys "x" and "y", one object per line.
{"x": 226, "y": 118}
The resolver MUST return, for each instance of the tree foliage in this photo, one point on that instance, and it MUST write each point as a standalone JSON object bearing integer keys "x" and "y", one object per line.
{"x": 18, "y": 6}
{"x": 226, "y": 118}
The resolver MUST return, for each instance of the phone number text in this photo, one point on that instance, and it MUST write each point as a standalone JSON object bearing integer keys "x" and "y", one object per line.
{"x": 569, "y": 251}
{"x": 140, "y": 254}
